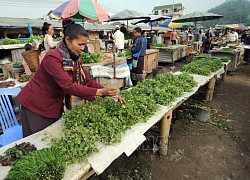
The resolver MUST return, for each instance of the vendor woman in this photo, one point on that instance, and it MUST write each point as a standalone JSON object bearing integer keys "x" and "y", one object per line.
{"x": 60, "y": 73}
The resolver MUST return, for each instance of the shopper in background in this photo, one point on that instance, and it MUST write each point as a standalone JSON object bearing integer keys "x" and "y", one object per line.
{"x": 48, "y": 42}
{"x": 119, "y": 39}
{"x": 174, "y": 37}
{"x": 138, "y": 52}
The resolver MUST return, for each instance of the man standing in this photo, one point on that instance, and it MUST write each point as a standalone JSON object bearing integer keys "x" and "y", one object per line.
{"x": 233, "y": 37}
{"x": 124, "y": 30}
{"x": 174, "y": 37}
{"x": 138, "y": 52}
{"x": 119, "y": 39}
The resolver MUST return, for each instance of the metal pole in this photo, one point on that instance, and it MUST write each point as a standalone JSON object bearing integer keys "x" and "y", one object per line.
{"x": 173, "y": 11}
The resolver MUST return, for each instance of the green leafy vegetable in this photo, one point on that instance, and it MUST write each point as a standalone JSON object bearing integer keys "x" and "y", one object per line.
{"x": 41, "y": 164}
{"x": 203, "y": 66}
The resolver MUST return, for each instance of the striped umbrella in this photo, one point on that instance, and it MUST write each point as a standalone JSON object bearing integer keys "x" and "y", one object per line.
{"x": 78, "y": 10}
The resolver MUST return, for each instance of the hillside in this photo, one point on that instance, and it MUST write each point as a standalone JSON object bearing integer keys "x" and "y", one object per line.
{"x": 234, "y": 11}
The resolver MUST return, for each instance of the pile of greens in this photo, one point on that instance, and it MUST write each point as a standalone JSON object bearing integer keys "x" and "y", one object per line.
{"x": 91, "y": 58}
{"x": 25, "y": 78}
{"x": 14, "y": 153}
{"x": 38, "y": 38}
{"x": 204, "y": 66}
{"x": 125, "y": 53}
{"x": 8, "y": 41}
{"x": 230, "y": 49}
{"x": 160, "y": 45}
{"x": 17, "y": 64}
{"x": 41, "y": 164}
{"x": 102, "y": 120}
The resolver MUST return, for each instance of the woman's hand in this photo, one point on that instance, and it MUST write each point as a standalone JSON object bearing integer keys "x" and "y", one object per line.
{"x": 108, "y": 91}
{"x": 119, "y": 99}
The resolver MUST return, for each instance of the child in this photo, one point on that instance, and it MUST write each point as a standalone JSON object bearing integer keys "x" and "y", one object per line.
{"x": 27, "y": 47}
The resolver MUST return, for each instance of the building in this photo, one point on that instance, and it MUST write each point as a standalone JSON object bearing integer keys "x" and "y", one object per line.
{"x": 176, "y": 10}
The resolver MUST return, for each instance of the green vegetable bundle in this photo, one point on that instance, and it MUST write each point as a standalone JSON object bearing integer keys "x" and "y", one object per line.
{"x": 90, "y": 58}
{"x": 36, "y": 38}
{"x": 125, "y": 53}
{"x": 41, "y": 164}
{"x": 230, "y": 49}
{"x": 104, "y": 121}
{"x": 8, "y": 41}
{"x": 159, "y": 45}
{"x": 17, "y": 64}
{"x": 203, "y": 66}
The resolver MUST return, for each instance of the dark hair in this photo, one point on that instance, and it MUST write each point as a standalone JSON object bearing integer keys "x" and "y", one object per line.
{"x": 66, "y": 23}
{"x": 74, "y": 31}
{"x": 45, "y": 27}
{"x": 137, "y": 29}
{"x": 28, "y": 47}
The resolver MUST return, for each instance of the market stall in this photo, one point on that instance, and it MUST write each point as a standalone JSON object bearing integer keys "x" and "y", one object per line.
{"x": 15, "y": 52}
{"x": 171, "y": 53}
{"x": 233, "y": 54}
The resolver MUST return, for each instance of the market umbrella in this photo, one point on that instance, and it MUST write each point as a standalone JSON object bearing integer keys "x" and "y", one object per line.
{"x": 169, "y": 23}
{"x": 78, "y": 10}
{"x": 153, "y": 20}
{"x": 197, "y": 16}
{"x": 128, "y": 15}
{"x": 241, "y": 27}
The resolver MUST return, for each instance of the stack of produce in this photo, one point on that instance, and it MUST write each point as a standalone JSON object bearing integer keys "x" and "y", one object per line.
{"x": 88, "y": 58}
{"x": 159, "y": 45}
{"x": 41, "y": 164}
{"x": 36, "y": 38}
{"x": 126, "y": 53}
{"x": 25, "y": 78}
{"x": 8, "y": 41}
{"x": 103, "y": 121}
{"x": 16, "y": 152}
{"x": 204, "y": 66}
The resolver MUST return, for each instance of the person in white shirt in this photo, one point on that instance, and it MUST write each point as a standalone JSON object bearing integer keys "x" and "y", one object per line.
{"x": 233, "y": 36}
{"x": 48, "y": 42}
{"x": 119, "y": 39}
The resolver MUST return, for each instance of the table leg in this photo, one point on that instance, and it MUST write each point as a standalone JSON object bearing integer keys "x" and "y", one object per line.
{"x": 164, "y": 132}
{"x": 87, "y": 175}
{"x": 210, "y": 90}
{"x": 224, "y": 74}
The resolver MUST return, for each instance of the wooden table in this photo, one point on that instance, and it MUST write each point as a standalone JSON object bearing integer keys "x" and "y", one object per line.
{"x": 234, "y": 56}
{"x": 172, "y": 53}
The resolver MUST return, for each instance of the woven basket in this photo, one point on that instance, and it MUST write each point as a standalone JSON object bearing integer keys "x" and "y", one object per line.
{"x": 32, "y": 59}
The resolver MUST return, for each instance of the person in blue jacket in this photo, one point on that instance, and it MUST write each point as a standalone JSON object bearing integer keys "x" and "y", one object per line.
{"x": 138, "y": 52}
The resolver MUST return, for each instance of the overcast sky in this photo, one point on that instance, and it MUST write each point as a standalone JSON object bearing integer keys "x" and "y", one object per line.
{"x": 39, "y": 8}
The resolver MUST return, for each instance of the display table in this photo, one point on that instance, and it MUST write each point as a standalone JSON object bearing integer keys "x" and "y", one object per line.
{"x": 234, "y": 56}
{"x": 130, "y": 140}
{"x": 172, "y": 53}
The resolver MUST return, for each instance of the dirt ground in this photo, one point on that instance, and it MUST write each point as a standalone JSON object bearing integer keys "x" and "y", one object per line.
{"x": 217, "y": 149}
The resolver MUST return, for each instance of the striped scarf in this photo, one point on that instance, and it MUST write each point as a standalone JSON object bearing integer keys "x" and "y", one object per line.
{"x": 69, "y": 65}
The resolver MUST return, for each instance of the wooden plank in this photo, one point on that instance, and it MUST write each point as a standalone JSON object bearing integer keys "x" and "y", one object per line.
{"x": 88, "y": 175}
{"x": 210, "y": 90}
{"x": 164, "y": 132}
{"x": 16, "y": 55}
{"x": 150, "y": 60}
